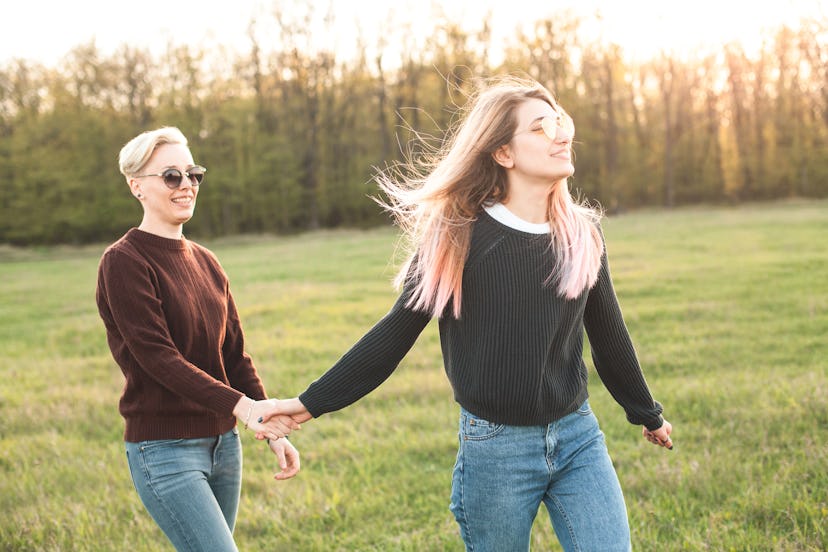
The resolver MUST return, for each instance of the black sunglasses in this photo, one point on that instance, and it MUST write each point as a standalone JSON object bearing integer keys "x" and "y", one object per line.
{"x": 172, "y": 177}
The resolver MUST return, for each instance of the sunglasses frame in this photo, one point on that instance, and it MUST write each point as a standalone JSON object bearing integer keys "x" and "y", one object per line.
{"x": 551, "y": 123}
{"x": 168, "y": 174}
{"x": 563, "y": 121}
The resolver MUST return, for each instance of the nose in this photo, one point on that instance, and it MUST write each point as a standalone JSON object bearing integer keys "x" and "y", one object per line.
{"x": 186, "y": 181}
{"x": 563, "y": 136}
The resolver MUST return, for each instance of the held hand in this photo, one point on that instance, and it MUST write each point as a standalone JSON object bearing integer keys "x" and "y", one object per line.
{"x": 660, "y": 436}
{"x": 288, "y": 458}
{"x": 249, "y": 412}
{"x": 290, "y": 407}
{"x": 274, "y": 427}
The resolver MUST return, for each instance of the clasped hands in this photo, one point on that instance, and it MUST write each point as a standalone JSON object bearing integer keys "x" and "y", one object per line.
{"x": 265, "y": 419}
{"x": 283, "y": 413}
{"x": 271, "y": 418}
{"x": 251, "y": 413}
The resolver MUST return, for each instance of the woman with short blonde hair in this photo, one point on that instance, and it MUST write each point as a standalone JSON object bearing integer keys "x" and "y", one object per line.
{"x": 174, "y": 330}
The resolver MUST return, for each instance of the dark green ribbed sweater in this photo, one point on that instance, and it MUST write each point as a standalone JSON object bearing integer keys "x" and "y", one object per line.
{"x": 515, "y": 354}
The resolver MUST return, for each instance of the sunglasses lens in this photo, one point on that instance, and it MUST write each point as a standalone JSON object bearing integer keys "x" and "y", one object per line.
{"x": 567, "y": 124}
{"x": 550, "y": 127}
{"x": 196, "y": 175}
{"x": 172, "y": 178}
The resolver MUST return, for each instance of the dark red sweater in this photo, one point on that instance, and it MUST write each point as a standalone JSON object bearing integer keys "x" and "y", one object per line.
{"x": 173, "y": 328}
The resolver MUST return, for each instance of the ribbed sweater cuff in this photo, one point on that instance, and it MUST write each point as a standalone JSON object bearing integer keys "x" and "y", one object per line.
{"x": 226, "y": 400}
{"x": 654, "y": 424}
{"x": 307, "y": 399}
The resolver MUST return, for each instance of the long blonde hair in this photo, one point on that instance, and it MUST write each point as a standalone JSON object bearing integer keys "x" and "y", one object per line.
{"x": 436, "y": 200}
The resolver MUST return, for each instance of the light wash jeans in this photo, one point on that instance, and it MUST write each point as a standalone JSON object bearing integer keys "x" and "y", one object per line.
{"x": 503, "y": 473}
{"x": 191, "y": 488}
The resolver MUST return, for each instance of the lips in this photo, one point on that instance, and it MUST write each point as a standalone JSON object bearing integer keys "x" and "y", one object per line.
{"x": 185, "y": 200}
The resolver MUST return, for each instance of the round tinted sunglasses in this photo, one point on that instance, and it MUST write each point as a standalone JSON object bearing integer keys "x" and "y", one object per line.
{"x": 173, "y": 177}
{"x": 550, "y": 125}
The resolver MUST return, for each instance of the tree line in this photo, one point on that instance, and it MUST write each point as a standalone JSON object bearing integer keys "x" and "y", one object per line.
{"x": 293, "y": 133}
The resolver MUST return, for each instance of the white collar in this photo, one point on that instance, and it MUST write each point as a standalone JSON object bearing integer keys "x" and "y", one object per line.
{"x": 504, "y": 216}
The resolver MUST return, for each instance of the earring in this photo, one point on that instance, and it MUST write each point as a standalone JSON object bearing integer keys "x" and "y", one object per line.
{"x": 139, "y": 195}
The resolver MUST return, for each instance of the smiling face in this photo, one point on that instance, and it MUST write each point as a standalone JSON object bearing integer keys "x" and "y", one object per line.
{"x": 532, "y": 158}
{"x": 532, "y": 155}
{"x": 166, "y": 210}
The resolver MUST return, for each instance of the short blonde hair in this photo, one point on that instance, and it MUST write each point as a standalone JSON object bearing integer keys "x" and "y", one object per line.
{"x": 135, "y": 153}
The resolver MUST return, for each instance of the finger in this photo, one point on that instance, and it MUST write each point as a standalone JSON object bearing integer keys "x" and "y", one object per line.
{"x": 280, "y": 455}
{"x": 284, "y": 421}
{"x": 270, "y": 431}
{"x": 292, "y": 466}
{"x": 277, "y": 427}
{"x": 665, "y": 441}
{"x": 266, "y": 416}
{"x": 283, "y": 427}
{"x": 289, "y": 423}
{"x": 273, "y": 434}
{"x": 287, "y": 470}
{"x": 654, "y": 440}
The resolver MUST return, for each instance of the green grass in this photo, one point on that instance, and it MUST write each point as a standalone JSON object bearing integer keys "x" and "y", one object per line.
{"x": 728, "y": 308}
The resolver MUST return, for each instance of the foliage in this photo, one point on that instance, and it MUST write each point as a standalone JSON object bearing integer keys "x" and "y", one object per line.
{"x": 293, "y": 133}
{"x": 727, "y": 308}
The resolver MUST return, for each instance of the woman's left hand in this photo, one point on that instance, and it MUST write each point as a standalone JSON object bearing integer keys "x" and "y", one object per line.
{"x": 288, "y": 458}
{"x": 660, "y": 436}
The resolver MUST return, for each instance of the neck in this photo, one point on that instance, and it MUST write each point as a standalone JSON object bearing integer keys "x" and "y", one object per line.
{"x": 171, "y": 231}
{"x": 528, "y": 202}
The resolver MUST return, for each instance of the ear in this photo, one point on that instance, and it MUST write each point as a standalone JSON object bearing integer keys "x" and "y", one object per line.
{"x": 503, "y": 156}
{"x": 134, "y": 187}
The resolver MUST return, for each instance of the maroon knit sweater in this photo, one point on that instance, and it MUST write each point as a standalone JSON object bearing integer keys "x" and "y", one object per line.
{"x": 173, "y": 328}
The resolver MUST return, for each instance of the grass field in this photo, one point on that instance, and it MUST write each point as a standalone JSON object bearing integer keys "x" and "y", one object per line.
{"x": 728, "y": 308}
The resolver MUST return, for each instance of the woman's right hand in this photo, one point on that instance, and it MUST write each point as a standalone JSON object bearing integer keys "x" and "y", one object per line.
{"x": 292, "y": 408}
{"x": 249, "y": 412}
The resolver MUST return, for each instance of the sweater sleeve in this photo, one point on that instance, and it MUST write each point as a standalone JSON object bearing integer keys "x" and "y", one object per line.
{"x": 369, "y": 362}
{"x": 241, "y": 373}
{"x": 614, "y": 355}
{"x": 132, "y": 312}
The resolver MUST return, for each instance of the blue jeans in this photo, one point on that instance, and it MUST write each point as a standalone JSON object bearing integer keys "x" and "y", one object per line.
{"x": 503, "y": 473}
{"x": 191, "y": 488}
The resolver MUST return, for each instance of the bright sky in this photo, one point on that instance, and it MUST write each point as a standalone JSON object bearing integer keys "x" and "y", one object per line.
{"x": 45, "y": 30}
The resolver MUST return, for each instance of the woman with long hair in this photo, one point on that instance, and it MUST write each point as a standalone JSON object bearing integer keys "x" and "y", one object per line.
{"x": 515, "y": 270}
